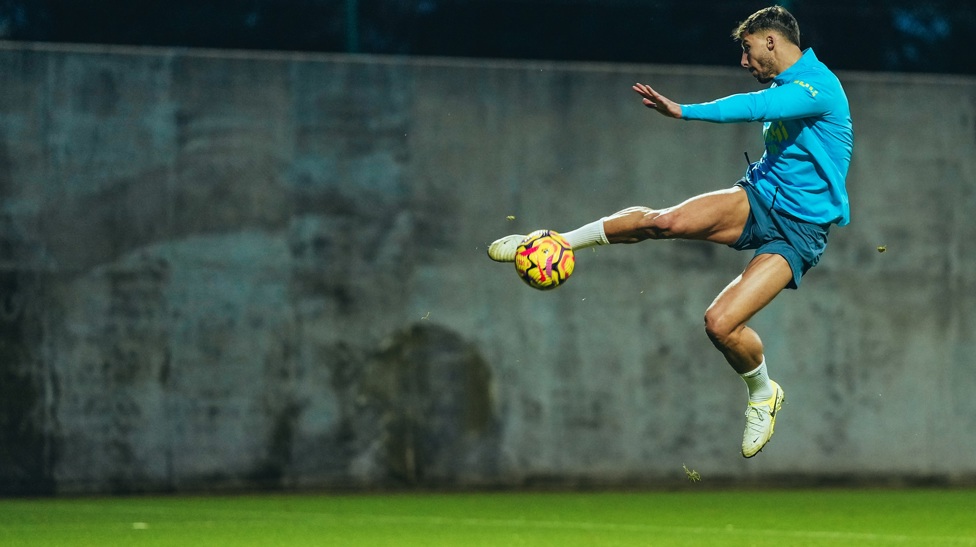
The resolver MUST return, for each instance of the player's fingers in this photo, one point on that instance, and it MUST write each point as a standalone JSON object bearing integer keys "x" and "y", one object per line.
{"x": 651, "y": 98}
{"x": 653, "y": 94}
{"x": 647, "y": 97}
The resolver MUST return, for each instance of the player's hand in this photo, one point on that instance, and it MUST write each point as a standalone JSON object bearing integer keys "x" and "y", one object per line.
{"x": 653, "y": 99}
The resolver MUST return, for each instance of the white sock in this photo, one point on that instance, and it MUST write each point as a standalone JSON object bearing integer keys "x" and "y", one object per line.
{"x": 587, "y": 235}
{"x": 758, "y": 383}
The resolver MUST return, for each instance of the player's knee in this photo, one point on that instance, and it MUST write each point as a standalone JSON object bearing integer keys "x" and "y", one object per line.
{"x": 664, "y": 224}
{"x": 638, "y": 210}
{"x": 720, "y": 330}
{"x": 655, "y": 224}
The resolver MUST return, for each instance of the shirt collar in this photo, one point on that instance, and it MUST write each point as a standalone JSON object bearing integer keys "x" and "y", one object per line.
{"x": 805, "y": 60}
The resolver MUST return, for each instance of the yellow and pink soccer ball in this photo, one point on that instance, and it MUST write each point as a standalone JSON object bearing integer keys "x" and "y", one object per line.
{"x": 544, "y": 260}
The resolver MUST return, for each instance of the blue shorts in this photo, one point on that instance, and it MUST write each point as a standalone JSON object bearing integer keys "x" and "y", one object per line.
{"x": 772, "y": 232}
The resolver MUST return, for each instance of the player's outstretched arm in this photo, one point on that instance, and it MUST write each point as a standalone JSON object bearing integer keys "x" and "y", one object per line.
{"x": 653, "y": 99}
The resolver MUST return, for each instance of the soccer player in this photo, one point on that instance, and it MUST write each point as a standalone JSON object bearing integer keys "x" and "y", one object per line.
{"x": 783, "y": 207}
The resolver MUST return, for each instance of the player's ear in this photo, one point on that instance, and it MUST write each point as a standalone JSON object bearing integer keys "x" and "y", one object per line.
{"x": 770, "y": 42}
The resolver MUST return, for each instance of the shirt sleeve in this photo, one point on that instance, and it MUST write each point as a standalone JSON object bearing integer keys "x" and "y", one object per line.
{"x": 785, "y": 102}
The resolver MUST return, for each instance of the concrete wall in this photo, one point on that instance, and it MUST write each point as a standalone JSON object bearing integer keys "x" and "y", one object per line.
{"x": 226, "y": 270}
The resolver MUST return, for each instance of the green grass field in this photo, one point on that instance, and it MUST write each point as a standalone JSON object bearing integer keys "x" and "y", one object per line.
{"x": 697, "y": 517}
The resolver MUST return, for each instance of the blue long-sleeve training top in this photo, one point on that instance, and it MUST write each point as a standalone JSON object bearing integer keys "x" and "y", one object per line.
{"x": 809, "y": 140}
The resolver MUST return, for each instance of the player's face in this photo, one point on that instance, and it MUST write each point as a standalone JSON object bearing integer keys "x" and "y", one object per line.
{"x": 757, "y": 58}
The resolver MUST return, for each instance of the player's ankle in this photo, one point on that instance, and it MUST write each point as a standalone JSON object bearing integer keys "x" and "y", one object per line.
{"x": 757, "y": 380}
{"x": 587, "y": 235}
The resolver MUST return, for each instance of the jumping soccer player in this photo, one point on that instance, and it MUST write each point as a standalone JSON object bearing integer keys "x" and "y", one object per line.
{"x": 783, "y": 207}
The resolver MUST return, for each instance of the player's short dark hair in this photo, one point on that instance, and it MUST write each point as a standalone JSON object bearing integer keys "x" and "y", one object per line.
{"x": 772, "y": 18}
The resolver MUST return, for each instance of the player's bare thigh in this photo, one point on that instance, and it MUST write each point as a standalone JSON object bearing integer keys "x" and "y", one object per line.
{"x": 716, "y": 216}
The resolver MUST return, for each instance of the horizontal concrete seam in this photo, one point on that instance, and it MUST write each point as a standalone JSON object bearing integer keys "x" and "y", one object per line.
{"x": 461, "y": 62}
